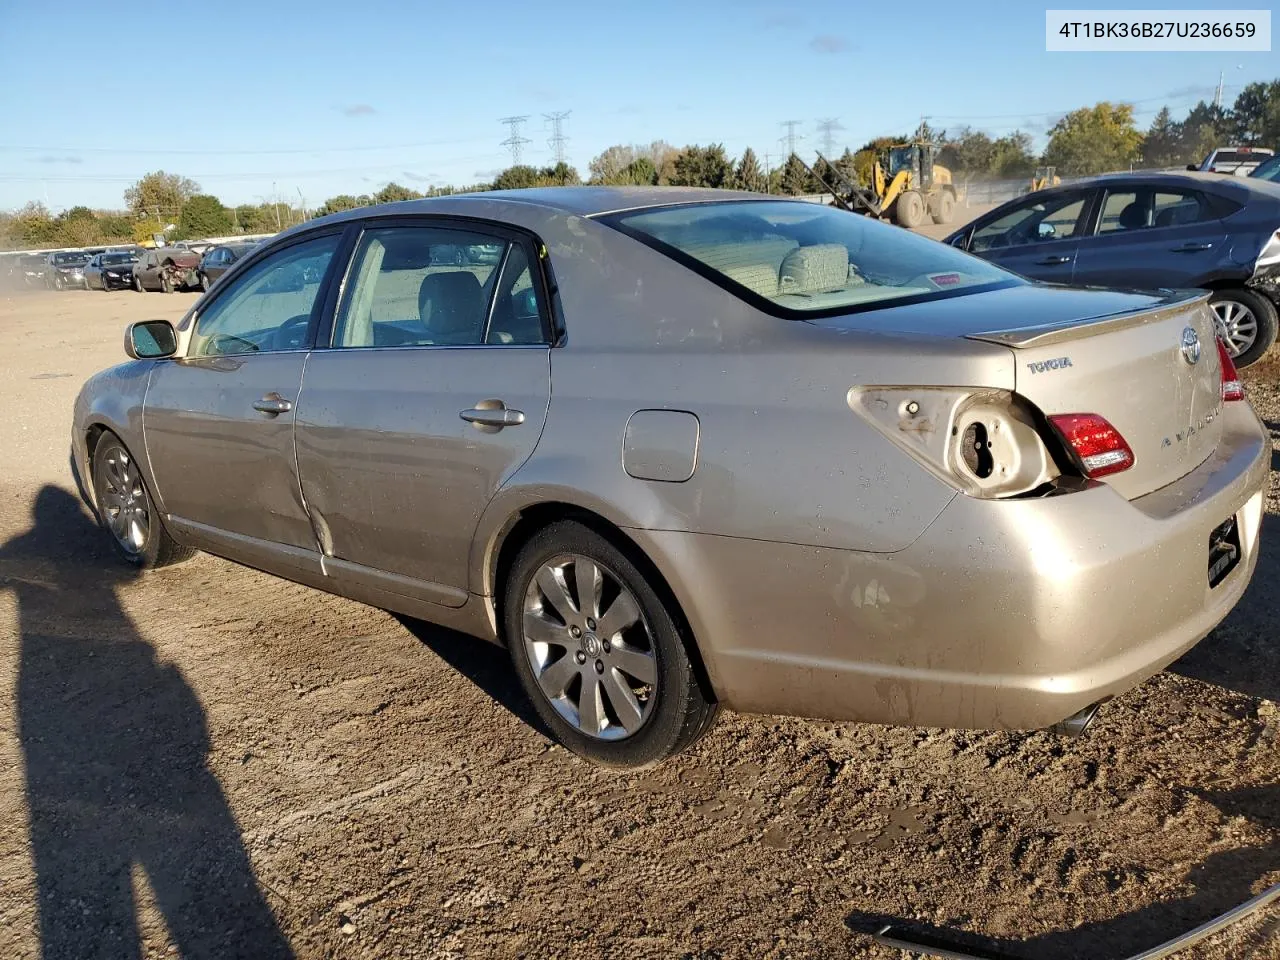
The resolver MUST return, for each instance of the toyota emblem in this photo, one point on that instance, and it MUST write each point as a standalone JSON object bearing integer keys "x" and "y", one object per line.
{"x": 1190, "y": 346}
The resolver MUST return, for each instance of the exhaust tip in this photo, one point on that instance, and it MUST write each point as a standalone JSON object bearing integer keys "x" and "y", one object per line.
{"x": 1076, "y": 724}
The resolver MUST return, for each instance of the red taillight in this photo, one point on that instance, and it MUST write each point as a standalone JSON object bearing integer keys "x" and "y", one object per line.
{"x": 1232, "y": 388}
{"x": 1096, "y": 442}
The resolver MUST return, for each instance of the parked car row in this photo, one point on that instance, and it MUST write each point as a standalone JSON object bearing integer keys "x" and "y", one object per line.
{"x": 179, "y": 266}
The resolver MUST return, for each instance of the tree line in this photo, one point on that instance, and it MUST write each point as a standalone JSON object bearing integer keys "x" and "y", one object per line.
{"x": 1087, "y": 141}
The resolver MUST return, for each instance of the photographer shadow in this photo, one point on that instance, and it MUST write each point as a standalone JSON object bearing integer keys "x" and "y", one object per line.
{"x": 115, "y": 743}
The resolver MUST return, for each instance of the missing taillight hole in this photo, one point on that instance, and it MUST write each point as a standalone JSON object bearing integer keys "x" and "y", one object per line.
{"x": 975, "y": 449}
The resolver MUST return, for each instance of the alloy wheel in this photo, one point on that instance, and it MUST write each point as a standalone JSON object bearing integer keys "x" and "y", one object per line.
{"x": 1236, "y": 324}
{"x": 592, "y": 653}
{"x": 123, "y": 500}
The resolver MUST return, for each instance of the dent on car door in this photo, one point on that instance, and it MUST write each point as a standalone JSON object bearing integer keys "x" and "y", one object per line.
{"x": 1037, "y": 237}
{"x": 433, "y": 393}
{"x": 219, "y": 422}
{"x": 1151, "y": 236}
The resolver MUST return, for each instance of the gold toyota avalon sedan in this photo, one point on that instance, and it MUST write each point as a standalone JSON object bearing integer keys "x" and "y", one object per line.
{"x": 683, "y": 449}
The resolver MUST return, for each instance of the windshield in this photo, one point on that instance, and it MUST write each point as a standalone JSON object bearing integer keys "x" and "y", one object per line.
{"x": 901, "y": 158}
{"x": 111, "y": 259}
{"x": 1268, "y": 171}
{"x": 795, "y": 258}
{"x": 64, "y": 259}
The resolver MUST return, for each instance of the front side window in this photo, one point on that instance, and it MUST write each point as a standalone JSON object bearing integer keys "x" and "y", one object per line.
{"x": 1034, "y": 221}
{"x": 418, "y": 286}
{"x": 269, "y": 306}
{"x": 808, "y": 258}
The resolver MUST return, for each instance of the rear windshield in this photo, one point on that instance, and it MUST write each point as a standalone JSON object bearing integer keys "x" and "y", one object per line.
{"x": 1238, "y": 156}
{"x": 791, "y": 257}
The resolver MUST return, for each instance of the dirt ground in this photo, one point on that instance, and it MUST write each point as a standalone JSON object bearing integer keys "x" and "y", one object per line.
{"x": 209, "y": 762}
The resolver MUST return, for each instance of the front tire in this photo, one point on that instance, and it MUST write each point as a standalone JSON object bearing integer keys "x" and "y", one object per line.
{"x": 126, "y": 510}
{"x": 909, "y": 209}
{"x": 137, "y": 283}
{"x": 599, "y": 652}
{"x": 166, "y": 285}
{"x": 1246, "y": 321}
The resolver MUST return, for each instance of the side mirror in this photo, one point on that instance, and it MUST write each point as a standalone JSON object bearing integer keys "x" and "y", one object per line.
{"x": 150, "y": 340}
{"x": 1045, "y": 231}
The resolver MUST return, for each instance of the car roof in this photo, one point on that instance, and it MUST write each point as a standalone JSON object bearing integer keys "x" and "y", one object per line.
{"x": 1188, "y": 178}
{"x": 580, "y": 201}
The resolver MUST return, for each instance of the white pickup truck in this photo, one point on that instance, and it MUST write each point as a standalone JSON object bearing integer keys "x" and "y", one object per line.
{"x": 1239, "y": 161}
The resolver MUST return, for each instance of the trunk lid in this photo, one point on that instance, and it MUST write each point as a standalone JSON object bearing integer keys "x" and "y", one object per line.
{"x": 1130, "y": 367}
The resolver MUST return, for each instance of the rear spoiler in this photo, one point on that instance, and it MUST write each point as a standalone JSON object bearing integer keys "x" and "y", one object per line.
{"x": 1044, "y": 334}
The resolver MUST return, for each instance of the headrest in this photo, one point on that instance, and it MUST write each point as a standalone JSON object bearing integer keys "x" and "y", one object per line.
{"x": 817, "y": 269}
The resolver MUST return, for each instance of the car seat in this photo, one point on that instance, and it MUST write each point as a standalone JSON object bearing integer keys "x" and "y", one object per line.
{"x": 451, "y": 306}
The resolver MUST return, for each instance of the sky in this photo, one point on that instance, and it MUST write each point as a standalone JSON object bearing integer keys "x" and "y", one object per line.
{"x": 305, "y": 100}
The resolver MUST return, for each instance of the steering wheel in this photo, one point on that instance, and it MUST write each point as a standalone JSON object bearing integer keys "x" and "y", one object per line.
{"x": 288, "y": 336}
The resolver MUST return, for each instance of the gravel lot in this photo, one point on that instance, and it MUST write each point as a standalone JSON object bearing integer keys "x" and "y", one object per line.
{"x": 266, "y": 771}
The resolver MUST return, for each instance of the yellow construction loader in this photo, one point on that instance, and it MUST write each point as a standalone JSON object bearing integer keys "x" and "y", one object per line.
{"x": 914, "y": 187}
{"x": 1045, "y": 177}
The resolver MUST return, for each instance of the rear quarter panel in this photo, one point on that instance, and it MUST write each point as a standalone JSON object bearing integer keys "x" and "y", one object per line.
{"x": 781, "y": 456}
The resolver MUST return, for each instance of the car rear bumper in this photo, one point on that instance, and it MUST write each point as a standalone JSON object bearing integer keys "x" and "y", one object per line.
{"x": 1008, "y": 614}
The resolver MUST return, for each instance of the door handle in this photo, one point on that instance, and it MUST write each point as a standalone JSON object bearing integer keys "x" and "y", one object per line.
{"x": 1054, "y": 261}
{"x": 272, "y": 404}
{"x": 492, "y": 415}
{"x": 1192, "y": 247}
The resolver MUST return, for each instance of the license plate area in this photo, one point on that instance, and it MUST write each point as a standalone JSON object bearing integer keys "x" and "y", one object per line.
{"x": 1224, "y": 551}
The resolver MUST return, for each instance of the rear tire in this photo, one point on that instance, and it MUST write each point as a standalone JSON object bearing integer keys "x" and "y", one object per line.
{"x": 668, "y": 713}
{"x": 1247, "y": 321}
{"x": 126, "y": 511}
{"x": 908, "y": 211}
{"x": 166, "y": 285}
{"x": 945, "y": 207}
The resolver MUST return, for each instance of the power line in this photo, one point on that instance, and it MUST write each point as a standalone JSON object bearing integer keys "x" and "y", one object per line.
{"x": 558, "y": 139}
{"x": 514, "y": 142}
{"x": 828, "y": 130}
{"x": 166, "y": 151}
{"x": 791, "y": 135}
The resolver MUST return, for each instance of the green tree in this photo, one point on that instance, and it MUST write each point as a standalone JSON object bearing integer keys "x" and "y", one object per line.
{"x": 255, "y": 218}
{"x": 344, "y": 201}
{"x": 748, "y": 175}
{"x": 1161, "y": 147}
{"x": 1094, "y": 140}
{"x": 970, "y": 153}
{"x": 795, "y": 178}
{"x": 847, "y": 165}
{"x": 697, "y": 166}
{"x": 609, "y": 167}
{"x": 204, "y": 216}
{"x": 519, "y": 177}
{"x": 34, "y": 226}
{"x": 1206, "y": 126}
{"x": 1011, "y": 156}
{"x": 1256, "y": 114}
{"x": 393, "y": 193}
{"x": 160, "y": 192}
{"x": 640, "y": 172}
{"x": 560, "y": 175}
{"x": 113, "y": 226}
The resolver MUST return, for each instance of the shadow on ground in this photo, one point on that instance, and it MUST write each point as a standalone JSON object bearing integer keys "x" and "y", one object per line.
{"x": 1222, "y": 882}
{"x": 487, "y": 665}
{"x": 1243, "y": 654}
{"x": 114, "y": 743}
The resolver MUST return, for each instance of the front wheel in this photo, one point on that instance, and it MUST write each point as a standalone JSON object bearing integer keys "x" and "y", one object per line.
{"x": 203, "y": 283}
{"x": 909, "y": 210}
{"x": 126, "y": 510}
{"x": 165, "y": 283}
{"x": 1246, "y": 321}
{"x": 137, "y": 283}
{"x": 598, "y": 650}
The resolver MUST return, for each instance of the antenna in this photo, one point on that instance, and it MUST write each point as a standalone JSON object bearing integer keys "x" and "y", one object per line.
{"x": 557, "y": 139}
{"x": 515, "y": 142}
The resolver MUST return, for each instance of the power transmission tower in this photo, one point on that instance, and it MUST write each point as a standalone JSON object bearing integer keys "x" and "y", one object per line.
{"x": 791, "y": 137}
{"x": 557, "y": 139}
{"x": 828, "y": 130}
{"x": 515, "y": 142}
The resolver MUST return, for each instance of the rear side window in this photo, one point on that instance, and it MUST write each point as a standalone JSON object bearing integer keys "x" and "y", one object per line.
{"x": 797, "y": 258}
{"x": 422, "y": 286}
